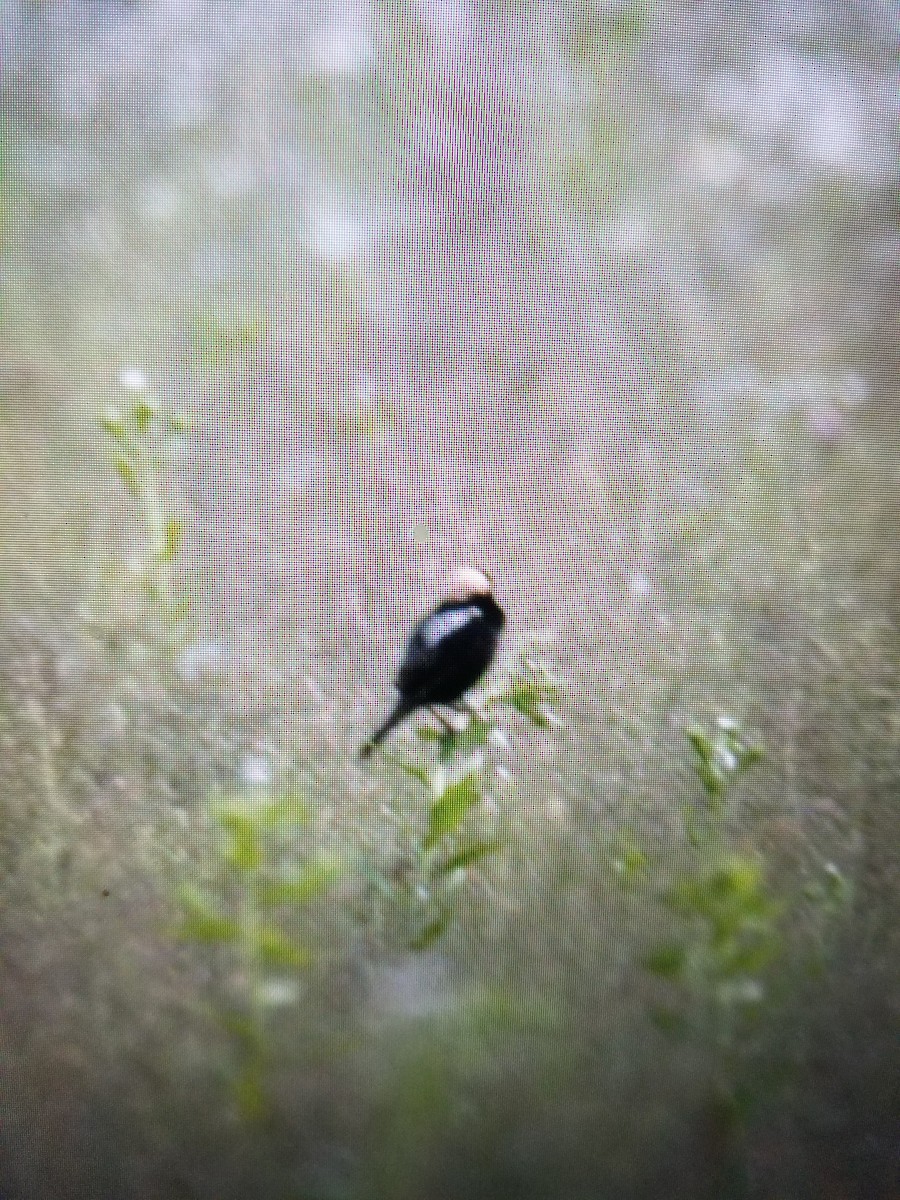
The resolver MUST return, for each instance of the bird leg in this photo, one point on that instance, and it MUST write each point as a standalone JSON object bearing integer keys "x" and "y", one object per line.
{"x": 448, "y": 728}
{"x": 468, "y": 711}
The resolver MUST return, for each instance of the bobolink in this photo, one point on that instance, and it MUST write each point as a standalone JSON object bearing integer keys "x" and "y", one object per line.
{"x": 448, "y": 651}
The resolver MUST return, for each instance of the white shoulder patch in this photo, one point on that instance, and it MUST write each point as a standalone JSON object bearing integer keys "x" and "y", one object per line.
{"x": 441, "y": 625}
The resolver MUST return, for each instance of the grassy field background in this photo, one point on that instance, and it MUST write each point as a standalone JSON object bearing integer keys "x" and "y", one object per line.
{"x": 302, "y": 307}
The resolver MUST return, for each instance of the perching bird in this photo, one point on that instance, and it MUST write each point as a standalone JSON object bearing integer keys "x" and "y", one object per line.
{"x": 448, "y": 651}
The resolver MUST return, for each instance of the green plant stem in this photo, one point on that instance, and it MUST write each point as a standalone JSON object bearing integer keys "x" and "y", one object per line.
{"x": 156, "y": 522}
{"x": 249, "y": 952}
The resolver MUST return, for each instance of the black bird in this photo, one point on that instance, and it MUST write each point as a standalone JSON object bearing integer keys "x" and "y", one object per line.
{"x": 448, "y": 651}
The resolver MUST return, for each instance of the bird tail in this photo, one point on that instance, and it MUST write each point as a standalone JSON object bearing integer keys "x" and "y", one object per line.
{"x": 401, "y": 709}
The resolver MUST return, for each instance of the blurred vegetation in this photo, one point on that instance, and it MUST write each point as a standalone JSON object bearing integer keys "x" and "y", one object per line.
{"x": 249, "y": 904}
{"x": 415, "y": 902}
{"x": 248, "y": 901}
{"x": 636, "y": 953}
{"x": 143, "y": 438}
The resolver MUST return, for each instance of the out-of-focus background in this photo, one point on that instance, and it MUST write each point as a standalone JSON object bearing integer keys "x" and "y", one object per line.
{"x": 302, "y": 305}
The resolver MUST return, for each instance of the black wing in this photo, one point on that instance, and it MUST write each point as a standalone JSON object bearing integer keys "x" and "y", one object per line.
{"x": 448, "y": 651}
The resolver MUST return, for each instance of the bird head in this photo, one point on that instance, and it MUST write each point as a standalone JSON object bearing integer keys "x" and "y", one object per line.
{"x": 468, "y": 582}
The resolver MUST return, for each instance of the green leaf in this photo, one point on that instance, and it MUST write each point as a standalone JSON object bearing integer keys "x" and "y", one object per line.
{"x": 422, "y": 774}
{"x": 530, "y": 691}
{"x": 628, "y": 860}
{"x": 427, "y": 733}
{"x": 667, "y": 961}
{"x": 527, "y": 698}
{"x": 128, "y": 474}
{"x": 740, "y": 876}
{"x": 143, "y": 412}
{"x": 275, "y": 948}
{"x": 739, "y": 914}
{"x": 202, "y": 922}
{"x": 287, "y": 810}
{"x": 431, "y": 932}
{"x": 245, "y": 851}
{"x": 448, "y": 811}
{"x": 311, "y": 882}
{"x": 111, "y": 422}
{"x": 470, "y": 855}
{"x": 700, "y": 740}
{"x": 207, "y": 928}
{"x": 473, "y": 735}
{"x": 722, "y": 756}
{"x": 173, "y": 538}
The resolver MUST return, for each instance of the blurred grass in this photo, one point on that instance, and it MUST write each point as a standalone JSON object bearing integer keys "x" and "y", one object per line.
{"x": 750, "y": 569}
{"x": 572, "y": 902}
